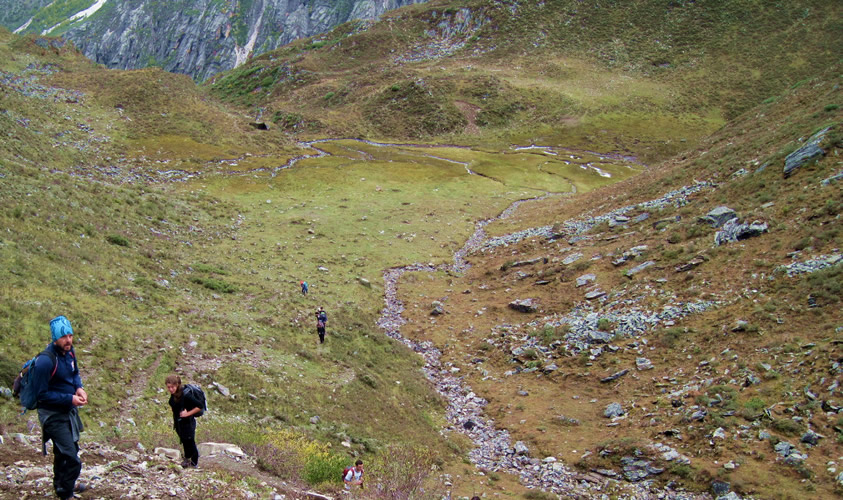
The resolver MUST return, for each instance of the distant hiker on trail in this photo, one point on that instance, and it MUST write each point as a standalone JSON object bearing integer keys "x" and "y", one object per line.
{"x": 321, "y": 315}
{"x": 353, "y": 476}
{"x": 185, "y": 407}
{"x": 60, "y": 394}
{"x": 320, "y": 328}
{"x": 304, "y": 287}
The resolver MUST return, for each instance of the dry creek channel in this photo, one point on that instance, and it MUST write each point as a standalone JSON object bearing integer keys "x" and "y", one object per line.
{"x": 494, "y": 449}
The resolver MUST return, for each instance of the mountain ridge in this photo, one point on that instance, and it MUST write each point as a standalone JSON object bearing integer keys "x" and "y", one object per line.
{"x": 200, "y": 38}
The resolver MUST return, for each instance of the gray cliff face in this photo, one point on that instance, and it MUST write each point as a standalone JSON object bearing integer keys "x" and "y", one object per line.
{"x": 14, "y": 13}
{"x": 203, "y": 37}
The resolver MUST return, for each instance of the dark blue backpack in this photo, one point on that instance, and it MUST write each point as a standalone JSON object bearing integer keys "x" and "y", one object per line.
{"x": 23, "y": 386}
{"x": 194, "y": 393}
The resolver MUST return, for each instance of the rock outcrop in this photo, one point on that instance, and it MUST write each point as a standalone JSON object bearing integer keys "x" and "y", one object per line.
{"x": 202, "y": 40}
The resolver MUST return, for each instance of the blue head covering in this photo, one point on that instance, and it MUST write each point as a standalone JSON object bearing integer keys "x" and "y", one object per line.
{"x": 59, "y": 327}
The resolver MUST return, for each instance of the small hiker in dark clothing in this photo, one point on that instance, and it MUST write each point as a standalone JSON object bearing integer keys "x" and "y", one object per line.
{"x": 184, "y": 421}
{"x": 304, "y": 287}
{"x": 321, "y": 321}
{"x": 320, "y": 329}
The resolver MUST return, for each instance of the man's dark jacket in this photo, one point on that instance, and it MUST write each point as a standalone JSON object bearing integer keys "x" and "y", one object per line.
{"x": 56, "y": 393}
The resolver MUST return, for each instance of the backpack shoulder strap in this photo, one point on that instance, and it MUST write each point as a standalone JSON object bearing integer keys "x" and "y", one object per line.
{"x": 50, "y": 354}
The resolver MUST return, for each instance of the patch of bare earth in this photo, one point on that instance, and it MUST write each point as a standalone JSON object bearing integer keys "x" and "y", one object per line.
{"x": 470, "y": 112}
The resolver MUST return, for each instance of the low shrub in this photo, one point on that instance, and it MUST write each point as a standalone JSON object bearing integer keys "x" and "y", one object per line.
{"x": 116, "y": 239}
{"x": 214, "y": 284}
{"x": 788, "y": 427}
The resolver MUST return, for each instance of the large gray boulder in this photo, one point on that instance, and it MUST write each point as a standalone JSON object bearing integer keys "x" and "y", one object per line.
{"x": 735, "y": 231}
{"x": 810, "y": 151}
{"x": 719, "y": 216}
{"x": 613, "y": 410}
{"x": 523, "y": 305}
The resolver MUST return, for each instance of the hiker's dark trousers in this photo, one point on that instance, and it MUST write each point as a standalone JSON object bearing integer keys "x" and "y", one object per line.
{"x": 186, "y": 429}
{"x": 66, "y": 463}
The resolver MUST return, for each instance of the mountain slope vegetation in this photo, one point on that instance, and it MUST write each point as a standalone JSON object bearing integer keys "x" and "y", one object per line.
{"x": 663, "y": 74}
{"x": 539, "y": 142}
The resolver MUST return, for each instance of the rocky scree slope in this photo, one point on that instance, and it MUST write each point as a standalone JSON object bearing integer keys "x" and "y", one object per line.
{"x": 678, "y": 336}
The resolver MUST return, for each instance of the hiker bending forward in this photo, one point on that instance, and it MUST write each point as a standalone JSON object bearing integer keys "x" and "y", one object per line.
{"x": 60, "y": 393}
{"x": 184, "y": 421}
{"x": 354, "y": 476}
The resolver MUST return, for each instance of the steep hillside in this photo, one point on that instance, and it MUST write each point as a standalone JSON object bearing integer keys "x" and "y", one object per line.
{"x": 650, "y": 79}
{"x": 165, "y": 277}
{"x": 723, "y": 360}
{"x": 196, "y": 38}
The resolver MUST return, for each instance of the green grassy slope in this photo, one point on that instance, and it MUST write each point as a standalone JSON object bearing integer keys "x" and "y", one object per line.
{"x": 634, "y": 77}
{"x": 164, "y": 278}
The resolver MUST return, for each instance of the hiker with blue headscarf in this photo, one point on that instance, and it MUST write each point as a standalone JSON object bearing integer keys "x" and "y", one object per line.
{"x": 60, "y": 394}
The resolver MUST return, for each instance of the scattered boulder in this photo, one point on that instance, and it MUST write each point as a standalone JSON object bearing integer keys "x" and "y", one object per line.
{"x": 613, "y": 410}
{"x": 784, "y": 448}
{"x": 614, "y": 376}
{"x": 698, "y": 415}
{"x": 630, "y": 254}
{"x": 364, "y": 282}
{"x": 640, "y": 267}
{"x": 807, "y": 153}
{"x": 618, "y": 220}
{"x": 719, "y": 488}
{"x": 641, "y": 217}
{"x": 585, "y": 279}
{"x": 832, "y": 179}
{"x": 740, "y": 326}
{"x": 735, "y": 231}
{"x": 437, "y": 308}
{"x": 719, "y": 216}
{"x": 696, "y": 261}
{"x": 523, "y": 305}
{"x": 595, "y": 294}
{"x": 811, "y": 438}
{"x": 167, "y": 452}
{"x": 207, "y": 449}
{"x": 643, "y": 364}
{"x": 571, "y": 258}
{"x": 598, "y": 337}
{"x": 637, "y": 469}
{"x": 222, "y": 389}
{"x": 520, "y": 448}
